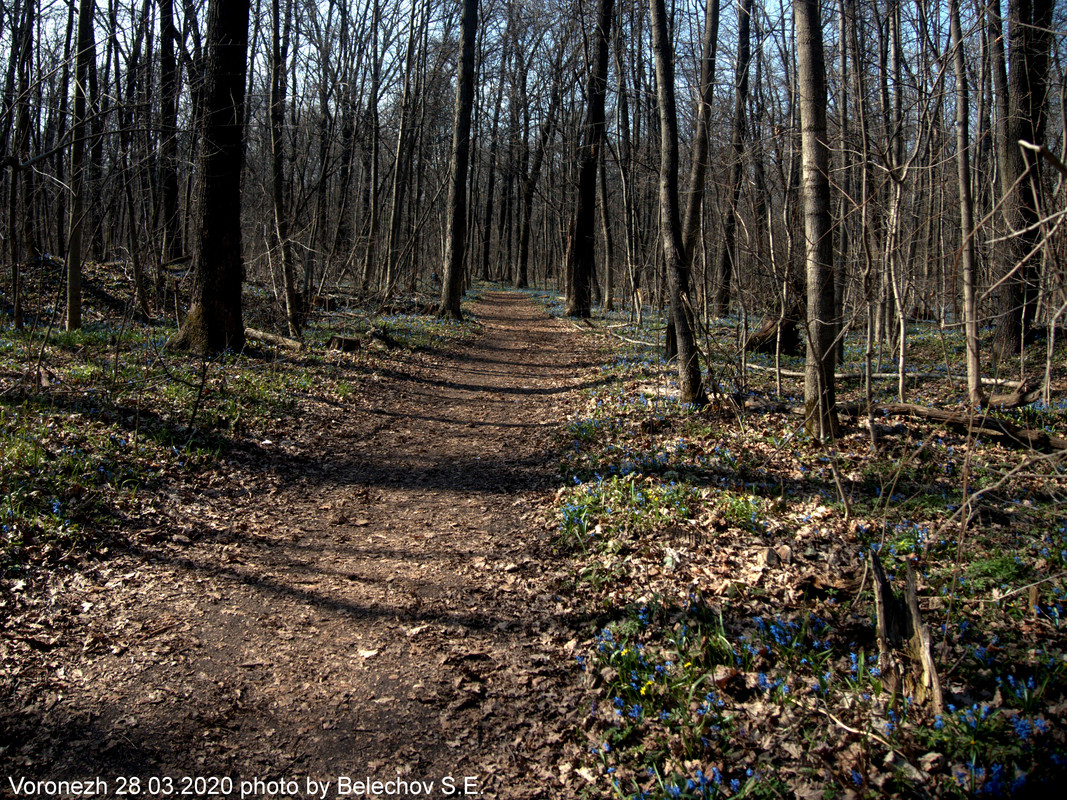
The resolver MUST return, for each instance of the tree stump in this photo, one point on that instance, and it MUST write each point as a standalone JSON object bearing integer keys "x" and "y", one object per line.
{"x": 905, "y": 654}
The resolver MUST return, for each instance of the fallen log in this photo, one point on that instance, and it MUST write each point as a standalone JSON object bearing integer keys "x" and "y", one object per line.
{"x": 273, "y": 338}
{"x": 1008, "y": 432}
{"x": 911, "y": 376}
{"x": 1024, "y": 395}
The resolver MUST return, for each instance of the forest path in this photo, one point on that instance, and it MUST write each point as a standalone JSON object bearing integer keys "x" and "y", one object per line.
{"x": 372, "y": 596}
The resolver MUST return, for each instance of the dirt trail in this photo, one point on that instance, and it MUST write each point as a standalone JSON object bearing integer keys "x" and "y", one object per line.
{"x": 371, "y": 596}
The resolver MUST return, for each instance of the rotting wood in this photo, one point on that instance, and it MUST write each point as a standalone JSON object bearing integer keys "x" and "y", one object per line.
{"x": 921, "y": 651}
{"x": 905, "y": 654}
{"x": 378, "y": 337}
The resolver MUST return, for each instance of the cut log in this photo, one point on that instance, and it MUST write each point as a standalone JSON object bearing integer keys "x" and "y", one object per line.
{"x": 273, "y": 338}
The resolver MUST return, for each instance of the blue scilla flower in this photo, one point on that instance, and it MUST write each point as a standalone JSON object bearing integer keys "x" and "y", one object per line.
{"x": 1024, "y": 729}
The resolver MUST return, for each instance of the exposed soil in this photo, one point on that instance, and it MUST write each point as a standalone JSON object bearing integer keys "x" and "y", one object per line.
{"x": 369, "y": 592}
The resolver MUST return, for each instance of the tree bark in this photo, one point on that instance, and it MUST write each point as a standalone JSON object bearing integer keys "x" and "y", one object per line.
{"x": 963, "y": 171}
{"x": 581, "y": 251}
{"x": 819, "y": 388}
{"x": 529, "y": 184}
{"x": 689, "y": 379}
{"x": 215, "y": 321}
{"x": 85, "y": 54}
{"x": 452, "y": 285}
{"x": 168, "y": 124}
{"x": 1029, "y": 37}
{"x": 727, "y": 266}
{"x": 18, "y": 240}
{"x": 698, "y": 168}
{"x": 280, "y": 29}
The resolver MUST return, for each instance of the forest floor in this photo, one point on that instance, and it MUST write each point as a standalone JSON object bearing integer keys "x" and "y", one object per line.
{"x": 500, "y": 556}
{"x": 367, "y": 594}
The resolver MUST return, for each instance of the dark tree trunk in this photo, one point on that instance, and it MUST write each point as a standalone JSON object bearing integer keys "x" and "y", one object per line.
{"x": 698, "y": 169}
{"x": 1029, "y": 36}
{"x": 727, "y": 267}
{"x": 215, "y": 322}
{"x": 19, "y": 236}
{"x": 581, "y": 251}
{"x": 168, "y": 132}
{"x": 963, "y": 172}
{"x": 85, "y": 54}
{"x": 529, "y": 185}
{"x": 280, "y": 29}
{"x": 689, "y": 380}
{"x": 452, "y": 285}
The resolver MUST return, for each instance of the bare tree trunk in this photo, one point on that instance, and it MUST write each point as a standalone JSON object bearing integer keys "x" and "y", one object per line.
{"x": 689, "y": 379}
{"x": 404, "y": 152}
{"x": 280, "y": 29}
{"x": 721, "y": 304}
{"x": 609, "y": 242}
{"x": 215, "y": 321}
{"x": 529, "y": 185}
{"x": 1029, "y": 36}
{"x": 18, "y": 240}
{"x": 85, "y": 53}
{"x": 626, "y": 176}
{"x": 452, "y": 285}
{"x": 168, "y": 124}
{"x": 494, "y": 153}
{"x": 698, "y": 168}
{"x": 370, "y": 253}
{"x": 691, "y": 227}
{"x": 581, "y": 252}
{"x": 127, "y": 103}
{"x": 819, "y": 388}
{"x": 963, "y": 168}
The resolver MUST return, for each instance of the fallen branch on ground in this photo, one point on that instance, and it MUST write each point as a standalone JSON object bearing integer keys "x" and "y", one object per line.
{"x": 914, "y": 376}
{"x": 979, "y": 423}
